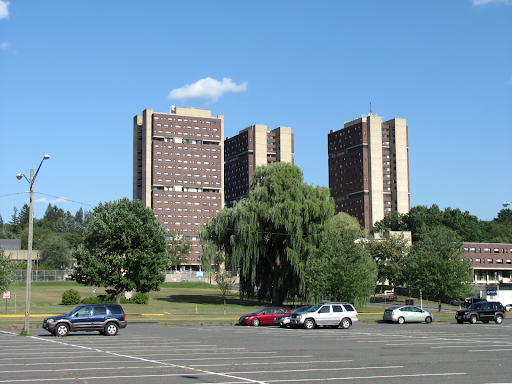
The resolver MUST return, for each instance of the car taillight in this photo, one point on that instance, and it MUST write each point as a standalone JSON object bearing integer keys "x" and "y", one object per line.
{"x": 124, "y": 316}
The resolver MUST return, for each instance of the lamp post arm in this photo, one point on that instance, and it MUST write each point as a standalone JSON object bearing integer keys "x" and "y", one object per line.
{"x": 34, "y": 178}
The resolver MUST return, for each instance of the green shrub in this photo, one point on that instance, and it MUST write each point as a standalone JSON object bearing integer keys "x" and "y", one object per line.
{"x": 141, "y": 298}
{"x": 92, "y": 300}
{"x": 70, "y": 297}
{"x": 103, "y": 299}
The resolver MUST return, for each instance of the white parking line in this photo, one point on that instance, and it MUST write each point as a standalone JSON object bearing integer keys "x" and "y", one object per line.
{"x": 270, "y": 363}
{"x": 196, "y": 370}
{"x": 489, "y": 350}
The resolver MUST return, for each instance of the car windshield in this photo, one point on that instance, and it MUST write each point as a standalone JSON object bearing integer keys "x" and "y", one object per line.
{"x": 72, "y": 311}
{"x": 258, "y": 311}
{"x": 314, "y": 308}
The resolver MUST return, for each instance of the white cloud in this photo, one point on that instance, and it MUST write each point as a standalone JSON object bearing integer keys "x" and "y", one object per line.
{"x": 4, "y": 9}
{"x": 208, "y": 90}
{"x": 45, "y": 201}
{"x": 4, "y": 45}
{"x": 484, "y": 2}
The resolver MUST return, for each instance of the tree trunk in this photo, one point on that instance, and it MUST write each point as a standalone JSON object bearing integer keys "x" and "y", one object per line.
{"x": 224, "y": 303}
{"x": 395, "y": 293}
{"x": 439, "y": 304}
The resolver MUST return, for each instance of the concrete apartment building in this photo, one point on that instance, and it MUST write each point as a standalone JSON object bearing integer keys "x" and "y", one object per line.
{"x": 369, "y": 168}
{"x": 253, "y": 146}
{"x": 178, "y": 169}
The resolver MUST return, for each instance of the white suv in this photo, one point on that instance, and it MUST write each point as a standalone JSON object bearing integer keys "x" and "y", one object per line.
{"x": 326, "y": 314}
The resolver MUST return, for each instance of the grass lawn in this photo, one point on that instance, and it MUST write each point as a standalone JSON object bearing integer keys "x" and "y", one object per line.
{"x": 176, "y": 304}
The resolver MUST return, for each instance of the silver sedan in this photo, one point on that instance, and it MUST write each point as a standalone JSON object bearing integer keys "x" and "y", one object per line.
{"x": 284, "y": 320}
{"x": 407, "y": 313}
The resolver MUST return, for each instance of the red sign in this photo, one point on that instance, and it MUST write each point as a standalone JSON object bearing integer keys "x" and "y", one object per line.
{"x": 7, "y": 295}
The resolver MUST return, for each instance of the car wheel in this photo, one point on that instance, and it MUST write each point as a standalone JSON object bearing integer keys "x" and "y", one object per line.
{"x": 401, "y": 320}
{"x": 459, "y": 321}
{"x": 309, "y": 324}
{"x": 473, "y": 319}
{"x": 255, "y": 322}
{"x": 111, "y": 329}
{"x": 61, "y": 330}
{"x": 428, "y": 320}
{"x": 499, "y": 319}
{"x": 345, "y": 323}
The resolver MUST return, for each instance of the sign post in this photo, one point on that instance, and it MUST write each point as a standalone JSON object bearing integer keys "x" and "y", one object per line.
{"x": 6, "y": 296}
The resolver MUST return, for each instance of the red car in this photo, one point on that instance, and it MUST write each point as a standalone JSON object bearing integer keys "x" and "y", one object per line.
{"x": 263, "y": 316}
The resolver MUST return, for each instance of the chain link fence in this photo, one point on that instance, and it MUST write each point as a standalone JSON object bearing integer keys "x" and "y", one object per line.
{"x": 42, "y": 275}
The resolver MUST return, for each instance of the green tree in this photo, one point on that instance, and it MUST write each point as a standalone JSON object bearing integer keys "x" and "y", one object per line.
{"x": 24, "y": 217}
{"x": 504, "y": 216}
{"x": 390, "y": 253}
{"x": 55, "y": 252}
{"x": 2, "y": 226}
{"x": 215, "y": 261}
{"x": 340, "y": 268}
{"x": 15, "y": 221}
{"x": 269, "y": 234}
{"x": 124, "y": 248}
{"x": 435, "y": 265}
{"x": 179, "y": 249}
{"x": 346, "y": 222}
{"x": 6, "y": 265}
{"x": 395, "y": 221}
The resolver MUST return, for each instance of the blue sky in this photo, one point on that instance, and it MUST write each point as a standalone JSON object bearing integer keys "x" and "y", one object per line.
{"x": 74, "y": 73}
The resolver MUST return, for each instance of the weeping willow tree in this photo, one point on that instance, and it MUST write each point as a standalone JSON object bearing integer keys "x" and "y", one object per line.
{"x": 269, "y": 234}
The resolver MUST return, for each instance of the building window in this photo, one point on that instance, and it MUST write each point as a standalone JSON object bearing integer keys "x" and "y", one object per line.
{"x": 487, "y": 250}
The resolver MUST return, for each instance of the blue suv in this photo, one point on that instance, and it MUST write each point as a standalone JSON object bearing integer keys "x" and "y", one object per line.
{"x": 104, "y": 318}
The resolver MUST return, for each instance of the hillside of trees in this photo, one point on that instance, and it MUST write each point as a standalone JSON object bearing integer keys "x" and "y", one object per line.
{"x": 55, "y": 235}
{"x": 467, "y": 226}
{"x": 59, "y": 232}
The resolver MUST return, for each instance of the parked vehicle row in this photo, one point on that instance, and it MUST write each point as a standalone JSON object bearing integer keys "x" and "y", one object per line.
{"x": 320, "y": 315}
{"x": 331, "y": 315}
{"x": 107, "y": 319}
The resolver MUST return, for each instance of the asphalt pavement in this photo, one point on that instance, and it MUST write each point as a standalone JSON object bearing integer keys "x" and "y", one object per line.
{"x": 364, "y": 353}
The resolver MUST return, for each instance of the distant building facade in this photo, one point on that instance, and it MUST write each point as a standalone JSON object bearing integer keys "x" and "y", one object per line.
{"x": 369, "y": 168}
{"x": 491, "y": 262}
{"x": 178, "y": 169}
{"x": 253, "y": 146}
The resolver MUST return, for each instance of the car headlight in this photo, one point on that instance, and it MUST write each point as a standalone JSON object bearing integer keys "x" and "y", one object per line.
{"x": 49, "y": 320}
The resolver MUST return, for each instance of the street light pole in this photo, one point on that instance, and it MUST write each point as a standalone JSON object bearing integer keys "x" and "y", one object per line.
{"x": 28, "y": 279}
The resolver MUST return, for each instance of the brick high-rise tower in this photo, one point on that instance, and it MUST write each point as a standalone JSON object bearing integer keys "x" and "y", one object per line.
{"x": 369, "y": 168}
{"x": 252, "y": 147}
{"x": 178, "y": 169}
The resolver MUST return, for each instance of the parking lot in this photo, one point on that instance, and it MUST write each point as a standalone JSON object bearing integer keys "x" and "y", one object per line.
{"x": 365, "y": 353}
